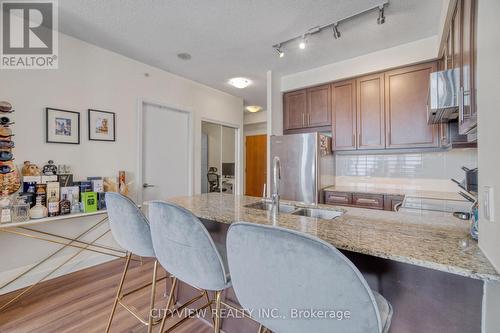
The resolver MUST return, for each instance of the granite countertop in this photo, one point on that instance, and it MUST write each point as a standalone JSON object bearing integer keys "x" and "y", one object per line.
{"x": 365, "y": 188}
{"x": 407, "y": 238}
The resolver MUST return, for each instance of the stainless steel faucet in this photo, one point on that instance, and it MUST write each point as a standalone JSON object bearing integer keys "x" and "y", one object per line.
{"x": 275, "y": 197}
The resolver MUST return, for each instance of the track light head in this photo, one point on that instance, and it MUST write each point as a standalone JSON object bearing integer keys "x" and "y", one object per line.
{"x": 381, "y": 15}
{"x": 336, "y": 32}
{"x": 302, "y": 44}
{"x": 280, "y": 52}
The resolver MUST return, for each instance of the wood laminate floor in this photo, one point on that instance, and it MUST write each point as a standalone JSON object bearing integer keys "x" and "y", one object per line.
{"x": 81, "y": 302}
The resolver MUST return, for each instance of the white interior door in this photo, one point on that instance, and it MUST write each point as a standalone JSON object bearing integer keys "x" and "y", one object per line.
{"x": 165, "y": 152}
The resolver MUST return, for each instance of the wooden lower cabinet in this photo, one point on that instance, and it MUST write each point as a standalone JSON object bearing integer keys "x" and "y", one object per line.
{"x": 367, "y": 200}
{"x": 393, "y": 202}
{"x": 337, "y": 198}
{"x": 363, "y": 200}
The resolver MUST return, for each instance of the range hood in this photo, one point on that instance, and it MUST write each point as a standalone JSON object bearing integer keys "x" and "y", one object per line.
{"x": 443, "y": 96}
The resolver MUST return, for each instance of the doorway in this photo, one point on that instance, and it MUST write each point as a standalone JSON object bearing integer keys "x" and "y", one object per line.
{"x": 218, "y": 158}
{"x": 256, "y": 164}
{"x": 165, "y": 161}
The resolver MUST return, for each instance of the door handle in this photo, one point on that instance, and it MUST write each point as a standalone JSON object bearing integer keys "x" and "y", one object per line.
{"x": 146, "y": 185}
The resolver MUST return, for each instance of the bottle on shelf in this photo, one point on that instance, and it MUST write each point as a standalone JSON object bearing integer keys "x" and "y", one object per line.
{"x": 53, "y": 204}
{"x": 41, "y": 193}
{"x": 38, "y": 211}
{"x": 20, "y": 209}
{"x": 65, "y": 205}
{"x": 75, "y": 206}
{"x": 5, "y": 206}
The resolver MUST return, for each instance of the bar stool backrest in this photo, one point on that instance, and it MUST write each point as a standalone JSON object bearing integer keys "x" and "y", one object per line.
{"x": 129, "y": 226}
{"x": 275, "y": 268}
{"x": 184, "y": 247}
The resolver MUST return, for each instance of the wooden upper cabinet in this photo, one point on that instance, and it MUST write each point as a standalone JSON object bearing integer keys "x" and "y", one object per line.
{"x": 370, "y": 112}
{"x": 406, "y": 92}
{"x": 468, "y": 118}
{"x": 294, "y": 106}
{"x": 318, "y": 106}
{"x": 344, "y": 115}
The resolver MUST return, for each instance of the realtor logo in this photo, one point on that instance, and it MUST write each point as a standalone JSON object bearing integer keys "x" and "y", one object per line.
{"x": 29, "y": 34}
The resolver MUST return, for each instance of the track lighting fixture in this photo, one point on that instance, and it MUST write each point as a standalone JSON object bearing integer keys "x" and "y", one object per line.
{"x": 281, "y": 54}
{"x": 334, "y": 25}
{"x": 381, "y": 15}
{"x": 302, "y": 44}
{"x": 336, "y": 32}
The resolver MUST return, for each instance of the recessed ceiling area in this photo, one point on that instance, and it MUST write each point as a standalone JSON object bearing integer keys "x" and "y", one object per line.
{"x": 227, "y": 39}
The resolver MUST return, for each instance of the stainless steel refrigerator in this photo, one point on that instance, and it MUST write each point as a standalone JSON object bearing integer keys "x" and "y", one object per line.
{"x": 307, "y": 165}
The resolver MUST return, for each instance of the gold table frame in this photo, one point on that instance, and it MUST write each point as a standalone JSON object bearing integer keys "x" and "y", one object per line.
{"x": 21, "y": 229}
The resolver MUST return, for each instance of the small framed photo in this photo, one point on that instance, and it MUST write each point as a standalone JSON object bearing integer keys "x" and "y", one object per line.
{"x": 101, "y": 125}
{"x": 62, "y": 126}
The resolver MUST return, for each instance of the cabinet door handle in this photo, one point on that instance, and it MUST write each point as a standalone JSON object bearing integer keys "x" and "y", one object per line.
{"x": 367, "y": 201}
{"x": 461, "y": 105}
{"x": 337, "y": 198}
{"x": 308, "y": 119}
{"x": 354, "y": 140}
{"x": 303, "y": 119}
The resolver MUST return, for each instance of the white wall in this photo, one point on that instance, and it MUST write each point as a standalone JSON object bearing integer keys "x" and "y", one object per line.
{"x": 488, "y": 105}
{"x": 91, "y": 77}
{"x": 401, "y": 55}
{"x": 256, "y": 117}
{"x": 255, "y": 129}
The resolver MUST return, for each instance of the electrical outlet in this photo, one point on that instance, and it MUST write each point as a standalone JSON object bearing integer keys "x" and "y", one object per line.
{"x": 489, "y": 203}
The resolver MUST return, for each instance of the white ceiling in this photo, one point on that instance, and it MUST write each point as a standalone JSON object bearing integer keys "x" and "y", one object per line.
{"x": 229, "y": 38}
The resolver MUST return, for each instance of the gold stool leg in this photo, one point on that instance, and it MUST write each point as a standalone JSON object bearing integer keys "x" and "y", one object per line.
{"x": 210, "y": 307}
{"x": 152, "y": 302}
{"x": 217, "y": 311}
{"x": 118, "y": 292}
{"x": 169, "y": 303}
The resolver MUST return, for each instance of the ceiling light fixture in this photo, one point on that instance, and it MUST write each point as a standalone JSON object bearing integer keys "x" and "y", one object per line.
{"x": 240, "y": 82}
{"x": 184, "y": 56}
{"x": 302, "y": 44}
{"x": 281, "y": 54}
{"x": 253, "y": 108}
{"x": 336, "y": 32}
{"x": 334, "y": 25}
{"x": 381, "y": 15}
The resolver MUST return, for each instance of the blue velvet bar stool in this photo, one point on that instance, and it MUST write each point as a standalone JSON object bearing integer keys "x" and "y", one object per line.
{"x": 130, "y": 229}
{"x": 276, "y": 268}
{"x": 183, "y": 244}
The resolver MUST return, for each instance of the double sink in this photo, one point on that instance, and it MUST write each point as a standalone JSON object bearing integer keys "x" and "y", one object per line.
{"x": 319, "y": 213}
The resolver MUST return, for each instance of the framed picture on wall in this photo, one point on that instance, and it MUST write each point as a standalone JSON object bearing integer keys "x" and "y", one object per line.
{"x": 62, "y": 126}
{"x": 101, "y": 125}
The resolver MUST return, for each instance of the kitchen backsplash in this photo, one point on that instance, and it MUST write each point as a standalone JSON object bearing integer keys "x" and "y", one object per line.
{"x": 429, "y": 171}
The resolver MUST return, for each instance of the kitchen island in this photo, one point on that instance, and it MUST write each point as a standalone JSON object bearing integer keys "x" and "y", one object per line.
{"x": 430, "y": 270}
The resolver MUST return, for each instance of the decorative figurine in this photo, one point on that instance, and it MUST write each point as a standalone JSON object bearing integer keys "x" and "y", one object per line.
{"x": 122, "y": 185}
{"x": 30, "y": 169}
{"x": 49, "y": 169}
